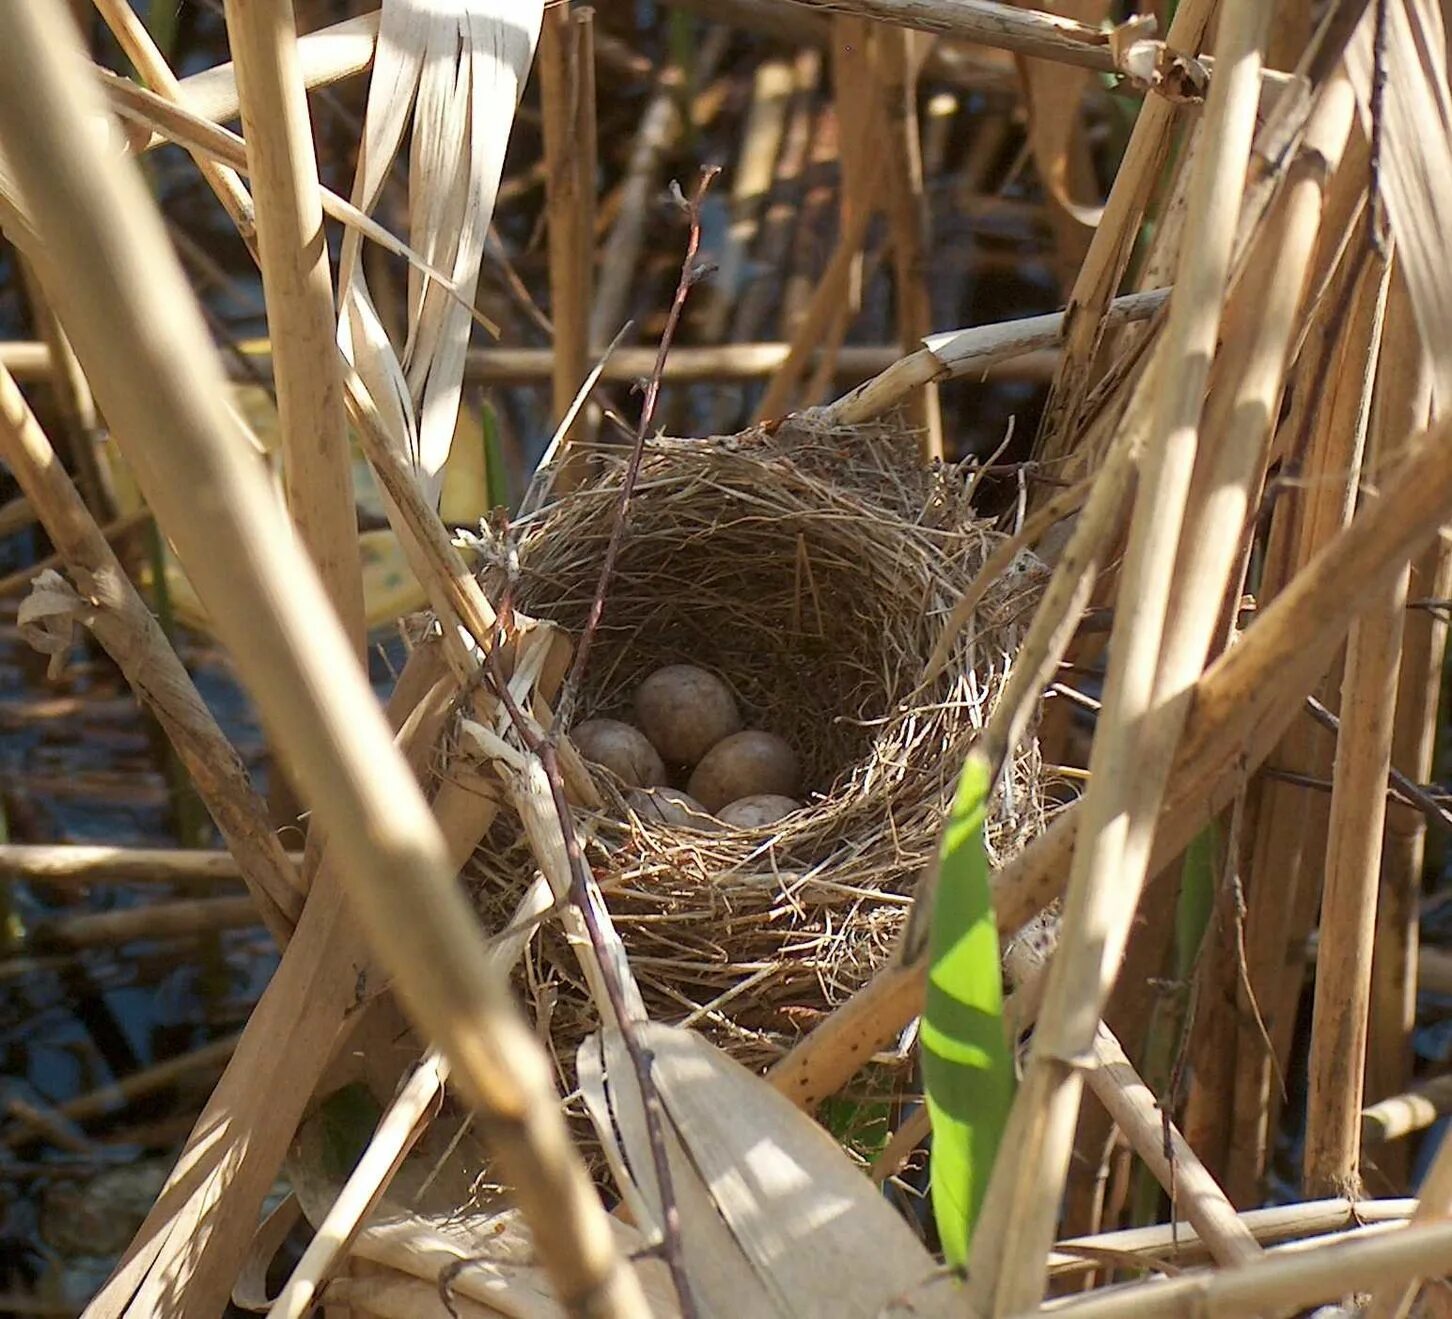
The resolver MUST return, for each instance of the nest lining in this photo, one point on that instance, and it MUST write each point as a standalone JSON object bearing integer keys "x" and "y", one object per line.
{"x": 812, "y": 572}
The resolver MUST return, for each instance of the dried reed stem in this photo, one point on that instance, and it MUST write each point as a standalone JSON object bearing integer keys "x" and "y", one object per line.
{"x": 1132, "y": 1105}
{"x": 179, "y": 919}
{"x": 117, "y": 530}
{"x": 81, "y": 864}
{"x": 1433, "y": 1206}
{"x": 1399, "y": 1115}
{"x": 397, "y": 1131}
{"x": 1288, "y": 1282}
{"x": 1342, "y": 1011}
{"x": 958, "y": 353}
{"x": 1178, "y": 1241}
{"x": 1142, "y": 716}
{"x": 125, "y": 627}
{"x": 298, "y": 286}
{"x": 325, "y": 56}
{"x": 567, "y": 98}
{"x": 1290, "y": 831}
{"x": 1414, "y": 732}
{"x": 137, "y": 329}
{"x": 660, "y": 126}
{"x": 138, "y": 47}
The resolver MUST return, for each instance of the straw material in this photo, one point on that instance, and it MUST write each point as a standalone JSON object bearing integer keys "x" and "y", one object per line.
{"x": 813, "y": 570}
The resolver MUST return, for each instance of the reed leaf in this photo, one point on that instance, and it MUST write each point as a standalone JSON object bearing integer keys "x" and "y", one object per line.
{"x": 967, "y": 1067}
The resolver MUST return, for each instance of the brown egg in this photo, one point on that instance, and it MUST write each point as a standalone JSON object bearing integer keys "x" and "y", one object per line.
{"x": 671, "y": 806}
{"x": 623, "y": 749}
{"x": 685, "y": 711}
{"x": 754, "y": 812}
{"x": 749, "y": 764}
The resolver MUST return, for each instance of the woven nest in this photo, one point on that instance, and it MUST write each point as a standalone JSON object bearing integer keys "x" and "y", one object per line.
{"x": 812, "y": 572}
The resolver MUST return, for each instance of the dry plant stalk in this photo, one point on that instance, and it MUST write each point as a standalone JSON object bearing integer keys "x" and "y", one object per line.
{"x": 1290, "y": 831}
{"x": 1414, "y": 732}
{"x": 1287, "y": 1282}
{"x": 567, "y": 98}
{"x": 119, "y": 617}
{"x": 1132, "y": 1106}
{"x": 136, "y": 43}
{"x": 181, "y": 918}
{"x": 138, "y": 331}
{"x": 326, "y": 56}
{"x": 1342, "y": 1011}
{"x": 82, "y": 864}
{"x": 298, "y": 288}
{"x": 1142, "y": 715}
{"x": 900, "y": 54}
{"x": 957, "y": 353}
{"x": 1179, "y": 1242}
{"x": 1433, "y": 1206}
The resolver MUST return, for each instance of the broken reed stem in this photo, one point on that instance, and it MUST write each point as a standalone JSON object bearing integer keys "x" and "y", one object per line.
{"x": 1398, "y": 1115}
{"x": 124, "y": 625}
{"x": 690, "y": 275}
{"x": 1190, "y": 1188}
{"x": 567, "y": 93}
{"x": 298, "y": 289}
{"x": 137, "y": 329}
{"x": 957, "y": 353}
{"x": 1341, "y": 1015}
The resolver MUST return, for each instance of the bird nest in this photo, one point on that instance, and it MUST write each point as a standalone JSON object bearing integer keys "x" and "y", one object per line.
{"x": 813, "y": 572}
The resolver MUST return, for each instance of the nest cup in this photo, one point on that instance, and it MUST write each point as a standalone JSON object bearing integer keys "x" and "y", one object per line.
{"x": 813, "y": 572}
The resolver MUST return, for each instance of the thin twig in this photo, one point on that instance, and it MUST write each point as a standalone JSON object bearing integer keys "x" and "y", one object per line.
{"x": 690, "y": 274}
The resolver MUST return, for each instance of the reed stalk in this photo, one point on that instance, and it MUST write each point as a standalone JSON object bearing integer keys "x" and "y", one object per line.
{"x": 1342, "y": 1009}
{"x": 138, "y": 47}
{"x": 298, "y": 286}
{"x": 567, "y": 98}
{"x": 1143, "y": 713}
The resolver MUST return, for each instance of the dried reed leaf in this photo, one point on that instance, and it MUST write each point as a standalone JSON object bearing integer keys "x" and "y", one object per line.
{"x": 454, "y": 73}
{"x": 800, "y": 1219}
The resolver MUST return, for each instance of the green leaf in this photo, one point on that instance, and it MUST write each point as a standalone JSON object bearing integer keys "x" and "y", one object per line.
{"x": 967, "y": 1065}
